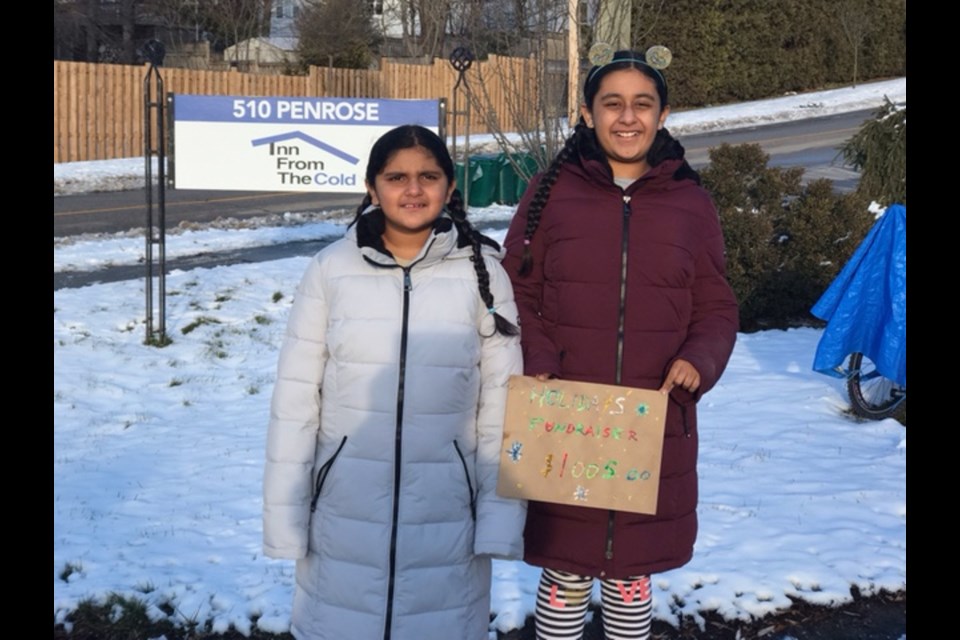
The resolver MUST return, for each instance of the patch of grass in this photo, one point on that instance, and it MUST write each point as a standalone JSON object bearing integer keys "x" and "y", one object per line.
{"x": 202, "y": 320}
{"x": 880, "y": 615}
{"x": 145, "y": 587}
{"x": 124, "y": 618}
{"x": 261, "y": 319}
{"x": 176, "y": 382}
{"x": 69, "y": 569}
{"x": 277, "y": 296}
{"x": 253, "y": 390}
{"x": 222, "y": 297}
{"x": 158, "y": 340}
{"x": 117, "y": 618}
{"x": 216, "y": 347}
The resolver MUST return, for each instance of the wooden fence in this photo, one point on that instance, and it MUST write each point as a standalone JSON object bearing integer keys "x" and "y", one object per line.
{"x": 98, "y": 108}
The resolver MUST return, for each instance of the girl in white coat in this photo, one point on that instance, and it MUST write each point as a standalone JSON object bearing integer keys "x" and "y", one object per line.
{"x": 386, "y": 418}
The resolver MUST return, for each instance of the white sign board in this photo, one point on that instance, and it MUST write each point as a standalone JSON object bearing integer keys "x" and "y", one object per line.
{"x": 284, "y": 144}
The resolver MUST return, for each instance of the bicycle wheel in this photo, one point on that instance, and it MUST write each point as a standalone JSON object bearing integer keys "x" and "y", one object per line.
{"x": 872, "y": 395}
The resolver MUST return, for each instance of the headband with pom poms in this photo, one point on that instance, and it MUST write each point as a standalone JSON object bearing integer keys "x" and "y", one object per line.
{"x": 657, "y": 57}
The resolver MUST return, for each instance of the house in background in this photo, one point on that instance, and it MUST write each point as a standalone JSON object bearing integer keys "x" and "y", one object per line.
{"x": 283, "y": 15}
{"x": 386, "y": 17}
{"x": 255, "y": 54}
{"x": 467, "y": 21}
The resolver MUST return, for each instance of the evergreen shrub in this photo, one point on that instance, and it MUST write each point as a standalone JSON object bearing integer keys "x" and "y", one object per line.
{"x": 879, "y": 152}
{"x": 737, "y": 50}
{"x": 785, "y": 241}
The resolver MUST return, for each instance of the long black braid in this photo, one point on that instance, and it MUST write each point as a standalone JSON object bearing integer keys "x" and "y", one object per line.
{"x": 364, "y": 205}
{"x": 476, "y": 239}
{"x": 547, "y": 180}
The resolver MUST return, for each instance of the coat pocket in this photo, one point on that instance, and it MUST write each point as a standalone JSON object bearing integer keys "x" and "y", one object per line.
{"x": 688, "y": 414}
{"x": 322, "y": 475}
{"x": 466, "y": 473}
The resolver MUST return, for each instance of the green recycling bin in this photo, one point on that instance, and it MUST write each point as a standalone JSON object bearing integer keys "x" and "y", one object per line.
{"x": 512, "y": 185}
{"x": 484, "y": 178}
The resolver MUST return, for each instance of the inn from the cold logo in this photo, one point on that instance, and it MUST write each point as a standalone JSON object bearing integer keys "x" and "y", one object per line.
{"x": 283, "y": 144}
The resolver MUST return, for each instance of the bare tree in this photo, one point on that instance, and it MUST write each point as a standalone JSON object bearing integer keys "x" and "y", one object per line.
{"x": 235, "y": 21}
{"x": 182, "y": 21}
{"x": 434, "y": 17}
{"x": 623, "y": 24}
{"x": 535, "y": 122}
{"x": 855, "y": 21}
{"x": 421, "y": 26}
{"x": 128, "y": 23}
{"x": 91, "y": 31}
{"x": 69, "y": 38}
{"x": 531, "y": 82}
{"x": 338, "y": 33}
{"x": 223, "y": 23}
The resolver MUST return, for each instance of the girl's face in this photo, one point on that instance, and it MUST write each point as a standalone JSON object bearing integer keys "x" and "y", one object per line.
{"x": 625, "y": 114}
{"x": 412, "y": 190}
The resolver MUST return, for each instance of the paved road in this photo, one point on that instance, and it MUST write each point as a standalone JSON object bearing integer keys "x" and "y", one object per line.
{"x": 812, "y": 144}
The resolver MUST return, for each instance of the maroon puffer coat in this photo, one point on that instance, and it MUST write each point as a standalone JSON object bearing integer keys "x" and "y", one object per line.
{"x": 664, "y": 236}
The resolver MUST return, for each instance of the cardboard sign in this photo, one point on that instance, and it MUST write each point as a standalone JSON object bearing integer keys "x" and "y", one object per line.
{"x": 582, "y": 444}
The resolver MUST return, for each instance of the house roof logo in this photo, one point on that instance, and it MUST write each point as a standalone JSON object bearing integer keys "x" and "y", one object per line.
{"x": 299, "y": 135}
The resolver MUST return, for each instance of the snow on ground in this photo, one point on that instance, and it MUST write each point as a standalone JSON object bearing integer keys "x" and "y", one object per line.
{"x": 158, "y": 453}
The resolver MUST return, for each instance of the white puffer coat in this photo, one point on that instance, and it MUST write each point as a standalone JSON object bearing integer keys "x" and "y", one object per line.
{"x": 387, "y": 419}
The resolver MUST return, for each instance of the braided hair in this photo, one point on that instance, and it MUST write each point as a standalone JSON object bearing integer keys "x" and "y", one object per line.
{"x": 542, "y": 194}
{"x": 458, "y": 214}
{"x": 582, "y": 142}
{"x": 408, "y": 137}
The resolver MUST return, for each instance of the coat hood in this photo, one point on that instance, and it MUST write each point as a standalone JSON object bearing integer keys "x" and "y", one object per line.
{"x": 445, "y": 242}
{"x": 667, "y": 158}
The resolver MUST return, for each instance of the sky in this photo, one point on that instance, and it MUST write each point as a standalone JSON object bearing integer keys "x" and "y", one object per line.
{"x": 158, "y": 452}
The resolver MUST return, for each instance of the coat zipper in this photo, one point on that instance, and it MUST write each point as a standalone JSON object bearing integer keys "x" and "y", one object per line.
{"x": 397, "y": 450}
{"x": 624, "y": 248}
{"x": 398, "y": 436}
{"x": 618, "y": 374}
{"x": 466, "y": 472}
{"x": 322, "y": 475}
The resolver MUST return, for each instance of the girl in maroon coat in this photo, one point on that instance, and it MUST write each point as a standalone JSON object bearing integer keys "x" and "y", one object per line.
{"x": 616, "y": 257}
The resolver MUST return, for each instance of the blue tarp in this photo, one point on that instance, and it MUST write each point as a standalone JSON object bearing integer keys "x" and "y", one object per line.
{"x": 866, "y": 305}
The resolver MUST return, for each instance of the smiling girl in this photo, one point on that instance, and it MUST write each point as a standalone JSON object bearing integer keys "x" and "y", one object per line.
{"x": 616, "y": 258}
{"x": 386, "y": 419}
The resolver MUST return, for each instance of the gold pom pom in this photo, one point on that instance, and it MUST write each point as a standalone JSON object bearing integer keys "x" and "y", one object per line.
{"x": 600, "y": 54}
{"x": 658, "y": 56}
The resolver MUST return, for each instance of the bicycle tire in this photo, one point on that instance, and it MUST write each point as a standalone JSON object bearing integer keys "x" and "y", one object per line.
{"x": 873, "y": 395}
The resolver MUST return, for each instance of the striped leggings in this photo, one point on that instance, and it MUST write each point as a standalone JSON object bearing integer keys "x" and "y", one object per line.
{"x": 562, "y": 600}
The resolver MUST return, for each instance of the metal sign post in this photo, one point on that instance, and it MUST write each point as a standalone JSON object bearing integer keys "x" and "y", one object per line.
{"x": 154, "y": 112}
{"x": 461, "y": 59}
